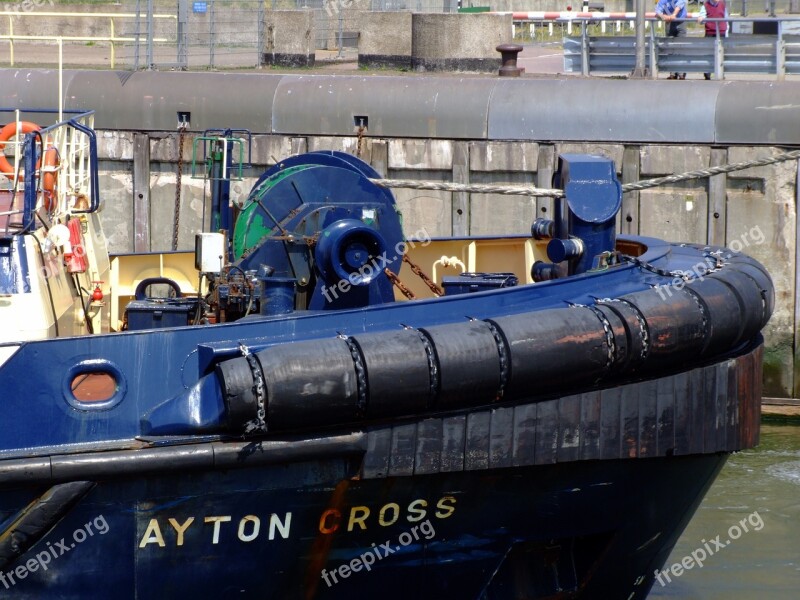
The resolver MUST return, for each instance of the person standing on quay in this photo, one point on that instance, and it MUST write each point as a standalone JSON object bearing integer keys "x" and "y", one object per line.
{"x": 714, "y": 9}
{"x": 673, "y": 12}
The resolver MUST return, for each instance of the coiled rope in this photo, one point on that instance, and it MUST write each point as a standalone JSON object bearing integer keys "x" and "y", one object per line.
{"x": 524, "y": 190}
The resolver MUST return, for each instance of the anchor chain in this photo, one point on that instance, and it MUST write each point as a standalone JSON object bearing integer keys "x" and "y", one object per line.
{"x": 177, "y": 219}
{"x": 399, "y": 284}
{"x": 421, "y": 274}
{"x": 360, "y": 144}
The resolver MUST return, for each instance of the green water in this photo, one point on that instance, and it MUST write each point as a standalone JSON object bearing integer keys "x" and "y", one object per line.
{"x": 761, "y": 565}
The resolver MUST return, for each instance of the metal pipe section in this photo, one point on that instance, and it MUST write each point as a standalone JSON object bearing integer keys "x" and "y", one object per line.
{"x": 474, "y": 108}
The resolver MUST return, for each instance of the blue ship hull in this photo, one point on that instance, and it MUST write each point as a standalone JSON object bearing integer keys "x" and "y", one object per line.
{"x": 539, "y": 531}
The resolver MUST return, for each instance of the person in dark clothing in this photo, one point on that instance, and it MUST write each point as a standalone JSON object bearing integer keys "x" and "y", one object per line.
{"x": 714, "y": 9}
{"x": 673, "y": 12}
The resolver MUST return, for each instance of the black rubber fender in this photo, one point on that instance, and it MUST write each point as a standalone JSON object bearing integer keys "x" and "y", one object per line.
{"x": 726, "y": 327}
{"x": 398, "y": 372}
{"x": 553, "y": 347}
{"x": 469, "y": 363}
{"x": 311, "y": 383}
{"x": 676, "y": 323}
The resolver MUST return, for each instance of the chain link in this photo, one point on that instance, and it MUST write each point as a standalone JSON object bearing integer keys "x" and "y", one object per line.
{"x": 177, "y": 222}
{"x": 259, "y": 423}
{"x": 421, "y": 274}
{"x": 360, "y": 145}
{"x": 399, "y": 284}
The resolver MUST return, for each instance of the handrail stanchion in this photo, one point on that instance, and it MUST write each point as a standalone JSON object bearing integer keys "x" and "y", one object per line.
{"x": 780, "y": 52}
{"x": 584, "y": 49}
{"x": 719, "y": 57}
{"x": 653, "y": 54}
{"x": 10, "y": 40}
{"x": 60, "y": 80}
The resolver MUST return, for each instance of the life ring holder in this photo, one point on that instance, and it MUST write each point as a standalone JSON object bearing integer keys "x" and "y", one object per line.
{"x": 6, "y": 133}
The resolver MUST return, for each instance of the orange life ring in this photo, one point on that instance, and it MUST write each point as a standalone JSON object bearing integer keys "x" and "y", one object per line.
{"x": 6, "y": 133}
{"x": 52, "y": 160}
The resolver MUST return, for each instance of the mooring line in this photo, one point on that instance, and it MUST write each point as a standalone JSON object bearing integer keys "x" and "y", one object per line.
{"x": 525, "y": 190}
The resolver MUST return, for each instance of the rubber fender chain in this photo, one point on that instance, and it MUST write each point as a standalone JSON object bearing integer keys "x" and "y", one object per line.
{"x": 504, "y": 354}
{"x": 433, "y": 365}
{"x": 361, "y": 374}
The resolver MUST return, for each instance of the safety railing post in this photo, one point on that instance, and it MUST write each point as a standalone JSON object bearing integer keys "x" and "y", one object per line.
{"x": 780, "y": 53}
{"x": 137, "y": 35}
{"x": 212, "y": 34}
{"x": 113, "y": 35}
{"x": 719, "y": 57}
{"x": 182, "y": 34}
{"x": 262, "y": 15}
{"x": 584, "y": 50}
{"x": 341, "y": 34}
{"x": 653, "y": 54}
{"x": 150, "y": 35}
{"x": 11, "y": 41}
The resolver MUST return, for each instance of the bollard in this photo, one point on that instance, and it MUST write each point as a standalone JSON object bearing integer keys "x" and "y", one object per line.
{"x": 509, "y": 53}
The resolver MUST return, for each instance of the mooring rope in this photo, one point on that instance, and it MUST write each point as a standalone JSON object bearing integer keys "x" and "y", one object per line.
{"x": 525, "y": 190}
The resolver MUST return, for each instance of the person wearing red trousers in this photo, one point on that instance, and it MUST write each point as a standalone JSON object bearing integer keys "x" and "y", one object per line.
{"x": 714, "y": 9}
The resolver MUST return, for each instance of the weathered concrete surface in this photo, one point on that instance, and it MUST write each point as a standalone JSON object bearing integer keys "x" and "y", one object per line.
{"x": 289, "y": 38}
{"x": 385, "y": 40}
{"x": 459, "y": 42}
{"x": 502, "y": 164}
{"x": 678, "y": 211}
{"x": 762, "y": 222}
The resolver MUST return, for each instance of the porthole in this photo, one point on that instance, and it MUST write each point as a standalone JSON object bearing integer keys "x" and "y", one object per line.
{"x": 94, "y": 384}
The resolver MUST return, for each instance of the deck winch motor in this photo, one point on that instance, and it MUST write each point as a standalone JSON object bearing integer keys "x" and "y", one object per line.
{"x": 583, "y": 233}
{"x": 318, "y": 220}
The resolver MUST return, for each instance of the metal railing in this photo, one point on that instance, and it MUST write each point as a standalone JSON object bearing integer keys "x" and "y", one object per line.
{"x": 112, "y": 38}
{"x": 776, "y": 54}
{"x": 72, "y": 169}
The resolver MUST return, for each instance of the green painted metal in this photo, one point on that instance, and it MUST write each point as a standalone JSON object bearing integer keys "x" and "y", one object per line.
{"x": 253, "y": 224}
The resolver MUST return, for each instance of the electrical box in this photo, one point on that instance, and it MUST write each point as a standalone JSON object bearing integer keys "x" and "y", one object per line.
{"x": 209, "y": 252}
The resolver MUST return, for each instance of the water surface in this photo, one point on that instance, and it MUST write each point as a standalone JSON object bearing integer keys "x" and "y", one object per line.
{"x": 760, "y": 565}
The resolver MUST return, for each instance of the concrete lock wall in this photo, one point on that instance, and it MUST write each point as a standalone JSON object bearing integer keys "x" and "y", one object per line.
{"x": 460, "y": 42}
{"x": 385, "y": 40}
{"x": 289, "y": 38}
{"x": 753, "y": 211}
